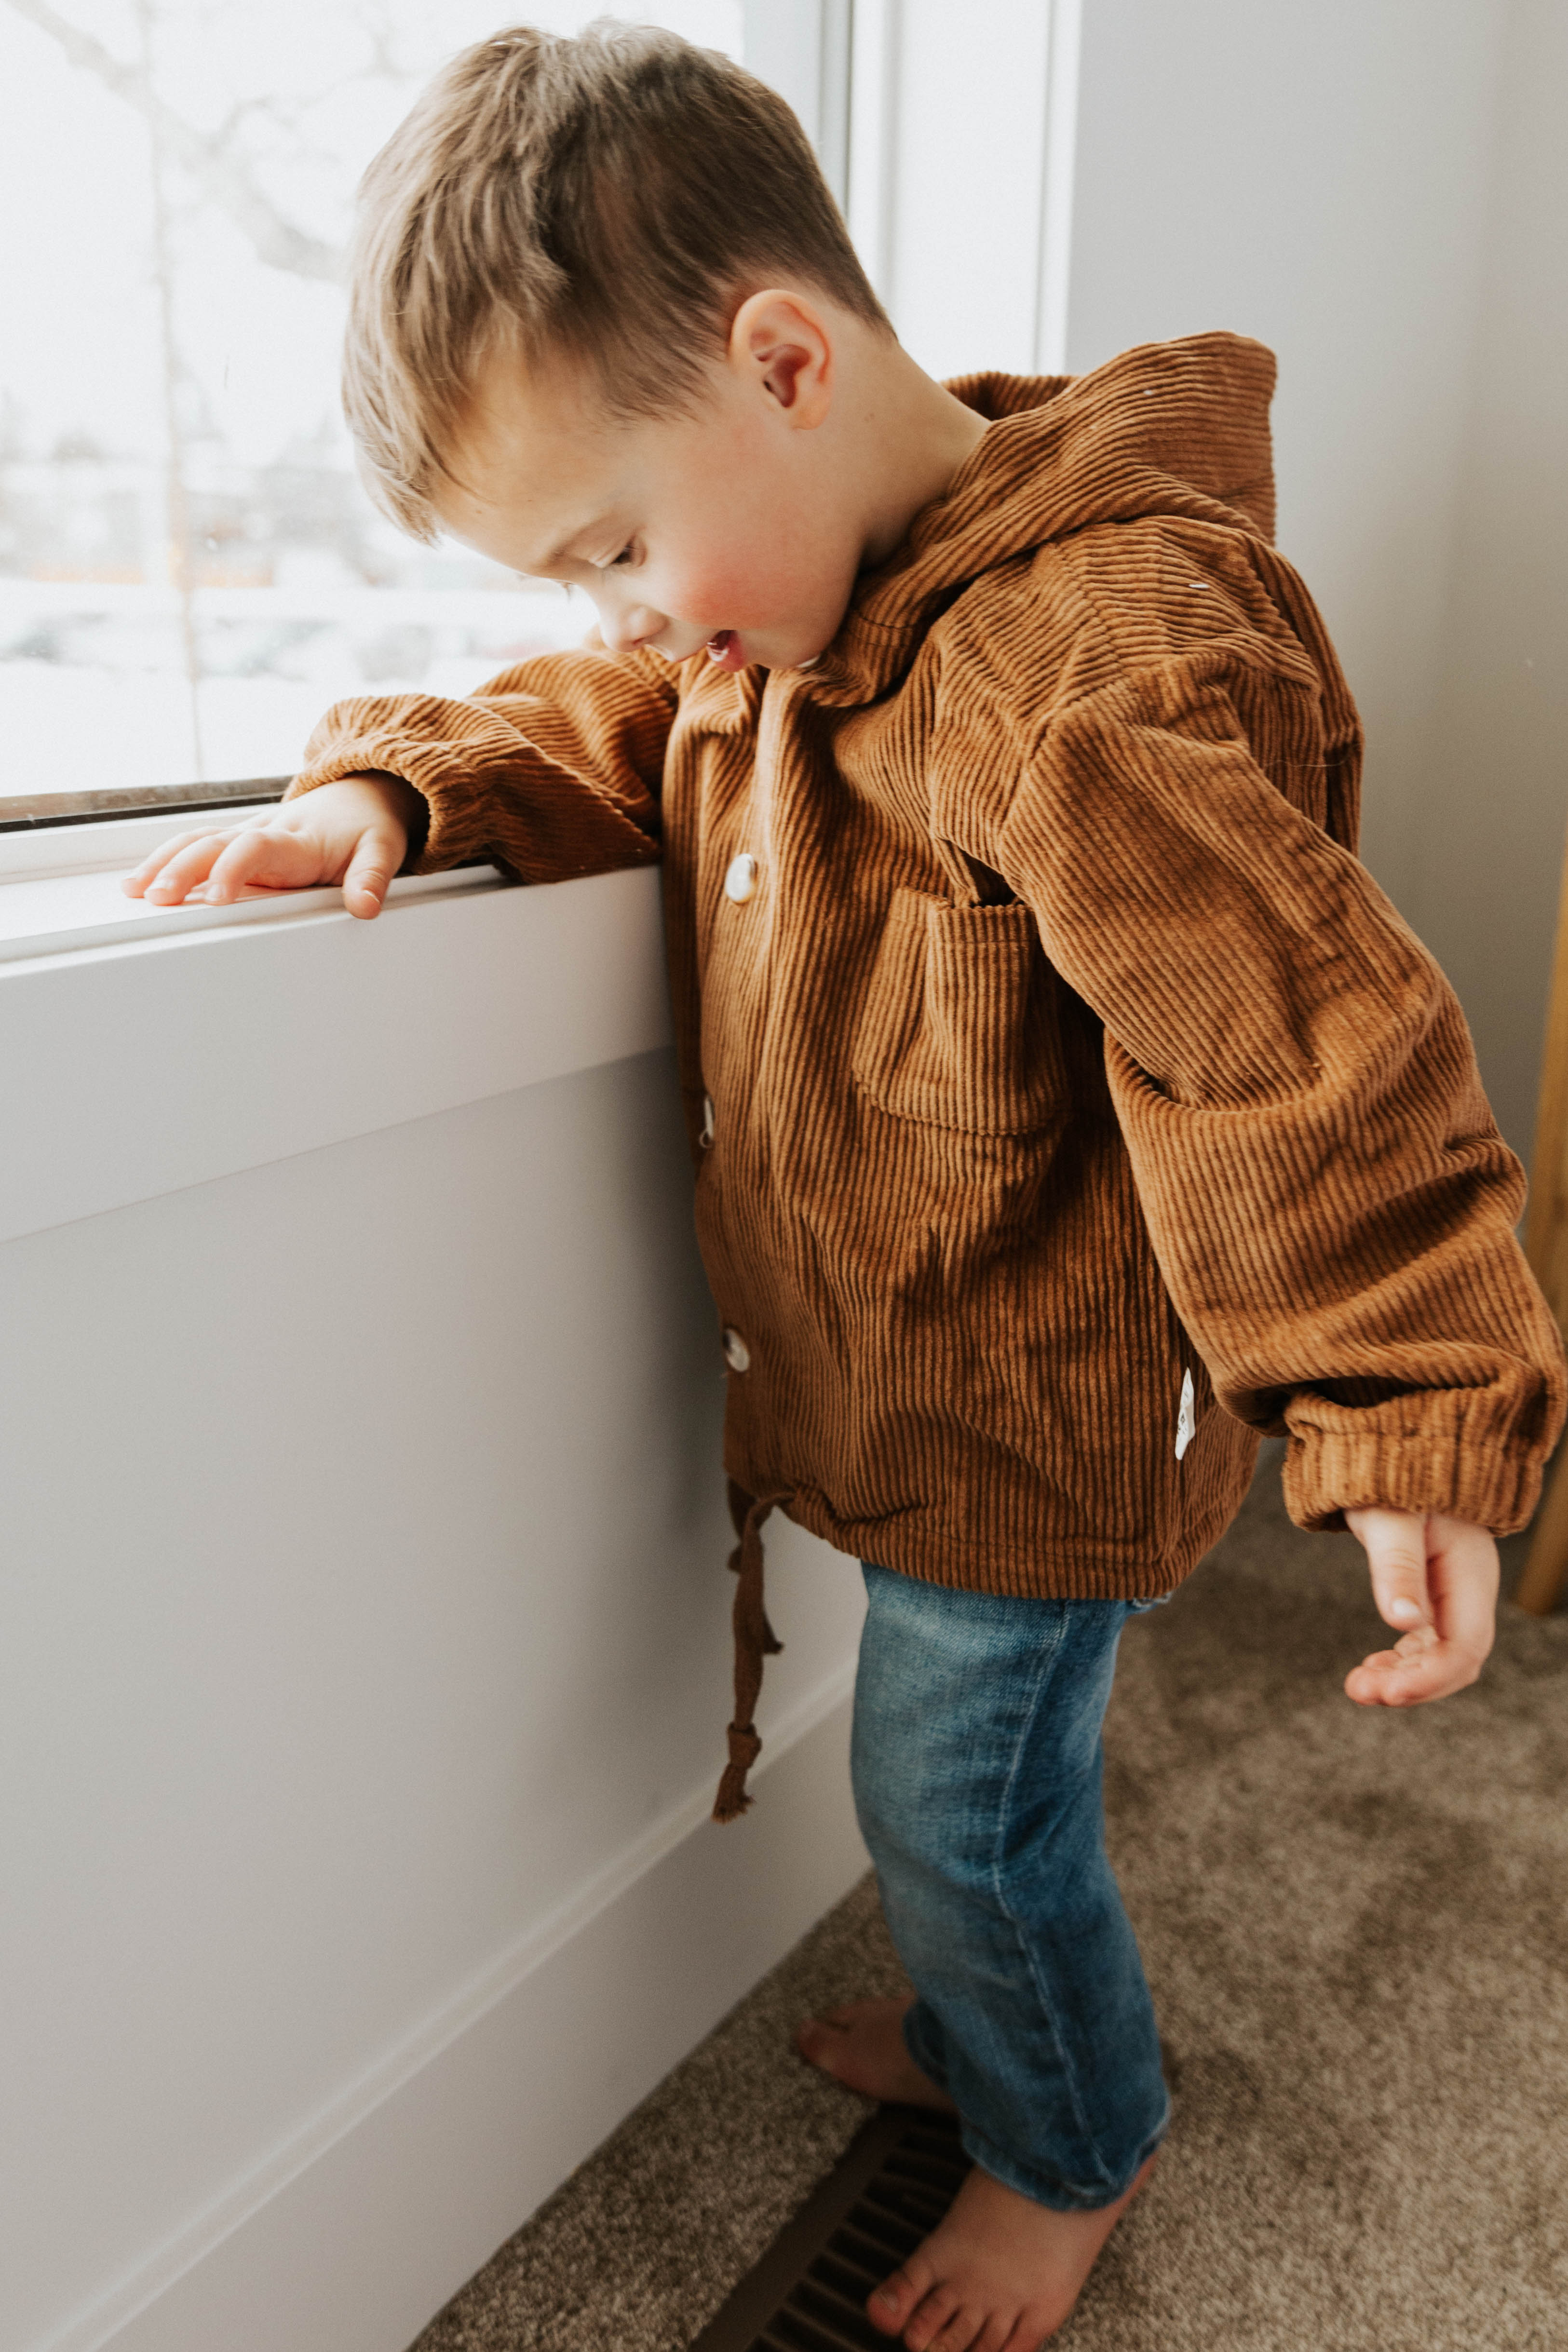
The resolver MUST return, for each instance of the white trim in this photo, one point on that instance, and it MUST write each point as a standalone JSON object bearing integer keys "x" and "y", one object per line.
{"x": 873, "y": 140}
{"x": 1057, "y": 178}
{"x": 834, "y": 82}
{"x": 352, "y": 2235}
{"x": 227, "y": 1045}
{"x": 783, "y": 47}
{"x": 801, "y": 49}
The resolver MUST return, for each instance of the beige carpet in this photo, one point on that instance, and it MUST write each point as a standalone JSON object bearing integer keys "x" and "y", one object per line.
{"x": 1357, "y": 1930}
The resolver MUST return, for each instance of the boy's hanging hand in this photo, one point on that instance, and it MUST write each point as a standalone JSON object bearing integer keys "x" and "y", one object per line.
{"x": 1436, "y": 1579}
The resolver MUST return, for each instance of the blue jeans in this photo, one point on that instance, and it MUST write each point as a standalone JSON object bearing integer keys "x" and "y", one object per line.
{"x": 976, "y": 1762}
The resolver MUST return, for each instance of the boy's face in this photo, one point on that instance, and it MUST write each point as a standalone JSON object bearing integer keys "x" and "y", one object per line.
{"x": 724, "y": 529}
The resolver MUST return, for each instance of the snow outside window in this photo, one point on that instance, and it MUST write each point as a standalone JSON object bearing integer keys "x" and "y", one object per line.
{"x": 189, "y": 569}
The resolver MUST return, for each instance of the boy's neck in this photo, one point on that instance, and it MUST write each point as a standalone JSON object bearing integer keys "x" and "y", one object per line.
{"x": 905, "y": 439}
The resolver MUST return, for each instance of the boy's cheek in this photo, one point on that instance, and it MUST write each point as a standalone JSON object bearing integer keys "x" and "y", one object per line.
{"x": 710, "y": 596}
{"x": 739, "y": 573}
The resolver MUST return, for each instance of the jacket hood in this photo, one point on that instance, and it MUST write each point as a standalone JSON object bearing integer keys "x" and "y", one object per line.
{"x": 1177, "y": 428}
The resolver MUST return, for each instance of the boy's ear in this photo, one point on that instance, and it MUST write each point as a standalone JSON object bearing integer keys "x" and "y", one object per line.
{"x": 781, "y": 343}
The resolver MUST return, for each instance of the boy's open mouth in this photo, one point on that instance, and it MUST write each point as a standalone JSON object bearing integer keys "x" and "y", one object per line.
{"x": 724, "y": 648}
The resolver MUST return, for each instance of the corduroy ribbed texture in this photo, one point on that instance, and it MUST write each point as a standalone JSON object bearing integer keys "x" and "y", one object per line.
{"x": 986, "y": 1181}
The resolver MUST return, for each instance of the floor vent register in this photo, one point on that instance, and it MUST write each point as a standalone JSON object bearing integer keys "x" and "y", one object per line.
{"x": 888, "y": 2190}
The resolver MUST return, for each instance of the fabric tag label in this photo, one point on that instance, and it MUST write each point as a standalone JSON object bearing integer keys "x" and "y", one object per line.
{"x": 1186, "y": 1419}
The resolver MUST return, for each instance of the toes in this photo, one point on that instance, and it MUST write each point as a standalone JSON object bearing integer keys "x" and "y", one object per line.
{"x": 820, "y": 2043}
{"x": 964, "y": 2332}
{"x": 853, "y": 2017}
{"x": 891, "y": 2304}
{"x": 814, "y": 2036}
{"x": 997, "y": 2334}
{"x": 930, "y": 2322}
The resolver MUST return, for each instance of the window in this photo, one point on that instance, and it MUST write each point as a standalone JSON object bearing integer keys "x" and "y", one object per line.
{"x": 189, "y": 569}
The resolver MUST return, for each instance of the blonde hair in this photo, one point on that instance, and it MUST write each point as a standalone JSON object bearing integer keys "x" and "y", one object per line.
{"x": 608, "y": 199}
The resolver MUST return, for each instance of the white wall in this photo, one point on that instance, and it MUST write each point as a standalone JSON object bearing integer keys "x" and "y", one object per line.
{"x": 364, "y": 1663}
{"x": 1315, "y": 176}
{"x": 1377, "y": 189}
{"x": 1488, "y": 846}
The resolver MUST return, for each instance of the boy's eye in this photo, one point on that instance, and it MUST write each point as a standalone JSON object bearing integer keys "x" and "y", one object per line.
{"x": 627, "y": 555}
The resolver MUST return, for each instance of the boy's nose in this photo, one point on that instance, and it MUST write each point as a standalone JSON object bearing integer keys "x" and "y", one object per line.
{"x": 625, "y": 632}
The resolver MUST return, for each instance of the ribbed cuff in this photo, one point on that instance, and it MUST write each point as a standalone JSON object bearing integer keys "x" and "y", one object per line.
{"x": 430, "y": 769}
{"x": 1329, "y": 1472}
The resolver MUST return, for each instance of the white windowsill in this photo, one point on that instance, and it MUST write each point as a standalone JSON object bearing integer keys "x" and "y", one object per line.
{"x": 60, "y": 888}
{"x": 97, "y": 844}
{"x": 63, "y": 912}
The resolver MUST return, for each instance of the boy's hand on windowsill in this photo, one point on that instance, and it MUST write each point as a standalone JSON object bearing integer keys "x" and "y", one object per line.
{"x": 354, "y": 832}
{"x": 1436, "y": 1579}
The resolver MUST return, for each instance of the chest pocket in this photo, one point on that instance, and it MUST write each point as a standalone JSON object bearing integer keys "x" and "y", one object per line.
{"x": 960, "y": 1026}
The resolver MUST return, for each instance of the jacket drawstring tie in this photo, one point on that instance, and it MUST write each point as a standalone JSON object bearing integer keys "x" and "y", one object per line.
{"x": 754, "y": 1641}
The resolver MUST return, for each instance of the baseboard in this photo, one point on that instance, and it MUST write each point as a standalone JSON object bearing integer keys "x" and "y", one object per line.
{"x": 354, "y": 2236}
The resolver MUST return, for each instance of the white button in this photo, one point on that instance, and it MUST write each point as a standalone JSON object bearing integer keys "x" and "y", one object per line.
{"x": 741, "y": 880}
{"x": 737, "y": 1355}
{"x": 706, "y": 1137}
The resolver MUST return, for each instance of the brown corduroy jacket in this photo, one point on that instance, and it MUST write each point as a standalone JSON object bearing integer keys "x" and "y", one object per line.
{"x": 1068, "y": 1105}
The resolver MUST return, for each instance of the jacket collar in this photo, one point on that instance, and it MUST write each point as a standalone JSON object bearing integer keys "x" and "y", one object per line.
{"x": 1178, "y": 428}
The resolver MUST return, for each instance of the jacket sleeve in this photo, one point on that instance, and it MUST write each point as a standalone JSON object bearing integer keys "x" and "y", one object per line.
{"x": 552, "y": 767}
{"x": 1328, "y": 1195}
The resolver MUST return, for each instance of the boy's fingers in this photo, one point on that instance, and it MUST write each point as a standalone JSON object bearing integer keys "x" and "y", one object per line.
{"x": 135, "y": 882}
{"x": 1410, "y": 1677}
{"x": 1465, "y": 1576}
{"x": 277, "y": 859}
{"x": 1395, "y": 1543}
{"x": 374, "y": 862}
{"x": 191, "y": 863}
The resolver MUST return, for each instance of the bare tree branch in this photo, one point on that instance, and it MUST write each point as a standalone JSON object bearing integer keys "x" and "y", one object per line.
{"x": 221, "y": 175}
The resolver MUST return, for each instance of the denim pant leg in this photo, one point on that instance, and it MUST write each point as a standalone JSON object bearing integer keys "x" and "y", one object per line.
{"x": 977, "y": 1763}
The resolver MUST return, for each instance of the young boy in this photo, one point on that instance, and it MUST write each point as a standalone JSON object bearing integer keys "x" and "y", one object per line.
{"x": 1067, "y": 1104}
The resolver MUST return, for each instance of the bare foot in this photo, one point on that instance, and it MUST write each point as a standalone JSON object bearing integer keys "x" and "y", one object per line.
{"x": 1000, "y": 2275}
{"x": 862, "y": 2045}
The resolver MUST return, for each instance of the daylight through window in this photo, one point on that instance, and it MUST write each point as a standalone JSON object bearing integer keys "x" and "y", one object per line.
{"x": 189, "y": 569}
